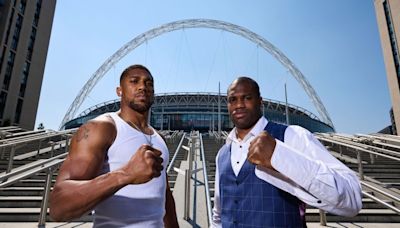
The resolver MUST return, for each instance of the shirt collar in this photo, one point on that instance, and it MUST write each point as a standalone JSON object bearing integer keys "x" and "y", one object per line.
{"x": 256, "y": 130}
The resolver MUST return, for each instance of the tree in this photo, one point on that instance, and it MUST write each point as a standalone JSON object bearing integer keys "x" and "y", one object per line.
{"x": 41, "y": 126}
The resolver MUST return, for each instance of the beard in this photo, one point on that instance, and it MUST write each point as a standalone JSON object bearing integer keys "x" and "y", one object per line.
{"x": 140, "y": 108}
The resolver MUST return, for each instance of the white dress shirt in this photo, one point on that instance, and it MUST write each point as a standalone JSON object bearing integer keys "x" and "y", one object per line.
{"x": 304, "y": 168}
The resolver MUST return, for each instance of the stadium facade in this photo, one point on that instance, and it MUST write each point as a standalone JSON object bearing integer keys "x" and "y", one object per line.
{"x": 200, "y": 111}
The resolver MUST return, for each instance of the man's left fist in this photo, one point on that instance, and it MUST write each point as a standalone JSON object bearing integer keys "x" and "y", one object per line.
{"x": 261, "y": 149}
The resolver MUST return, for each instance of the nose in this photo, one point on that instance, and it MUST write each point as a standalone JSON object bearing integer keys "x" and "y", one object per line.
{"x": 142, "y": 86}
{"x": 240, "y": 103}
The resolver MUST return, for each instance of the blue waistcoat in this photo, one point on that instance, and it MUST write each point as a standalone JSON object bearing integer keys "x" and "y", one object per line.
{"x": 247, "y": 201}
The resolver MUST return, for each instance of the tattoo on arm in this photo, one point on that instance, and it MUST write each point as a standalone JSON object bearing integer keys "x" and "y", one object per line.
{"x": 83, "y": 133}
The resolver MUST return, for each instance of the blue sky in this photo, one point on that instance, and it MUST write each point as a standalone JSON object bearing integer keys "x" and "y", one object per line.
{"x": 335, "y": 44}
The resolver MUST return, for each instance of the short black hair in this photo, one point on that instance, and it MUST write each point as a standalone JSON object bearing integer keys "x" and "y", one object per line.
{"x": 132, "y": 67}
{"x": 242, "y": 79}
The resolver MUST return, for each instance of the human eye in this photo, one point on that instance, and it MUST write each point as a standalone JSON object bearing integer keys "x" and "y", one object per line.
{"x": 231, "y": 99}
{"x": 248, "y": 97}
{"x": 149, "y": 83}
{"x": 133, "y": 80}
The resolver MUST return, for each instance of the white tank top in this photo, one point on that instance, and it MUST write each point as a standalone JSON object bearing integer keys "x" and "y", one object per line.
{"x": 140, "y": 205}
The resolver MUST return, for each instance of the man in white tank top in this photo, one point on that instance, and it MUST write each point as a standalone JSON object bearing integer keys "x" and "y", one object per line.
{"x": 116, "y": 165}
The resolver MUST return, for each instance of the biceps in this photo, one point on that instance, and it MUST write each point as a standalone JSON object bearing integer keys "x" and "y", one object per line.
{"x": 82, "y": 165}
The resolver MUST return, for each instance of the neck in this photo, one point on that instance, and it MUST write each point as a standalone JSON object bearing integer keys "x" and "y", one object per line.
{"x": 132, "y": 116}
{"x": 241, "y": 133}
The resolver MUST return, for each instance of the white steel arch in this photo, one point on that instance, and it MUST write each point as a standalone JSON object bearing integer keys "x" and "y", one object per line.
{"x": 196, "y": 23}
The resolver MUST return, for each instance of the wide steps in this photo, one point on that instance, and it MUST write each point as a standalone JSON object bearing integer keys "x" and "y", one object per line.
{"x": 365, "y": 215}
{"x": 30, "y": 215}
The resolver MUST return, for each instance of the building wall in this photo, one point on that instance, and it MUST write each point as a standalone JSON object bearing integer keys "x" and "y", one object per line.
{"x": 25, "y": 27}
{"x": 389, "y": 29}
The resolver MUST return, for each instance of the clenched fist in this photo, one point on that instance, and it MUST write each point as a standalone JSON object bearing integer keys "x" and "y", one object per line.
{"x": 144, "y": 165}
{"x": 261, "y": 149}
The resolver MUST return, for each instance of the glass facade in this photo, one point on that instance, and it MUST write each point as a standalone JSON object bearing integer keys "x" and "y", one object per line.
{"x": 200, "y": 112}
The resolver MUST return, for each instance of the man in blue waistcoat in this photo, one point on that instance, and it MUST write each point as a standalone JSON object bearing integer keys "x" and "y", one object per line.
{"x": 266, "y": 172}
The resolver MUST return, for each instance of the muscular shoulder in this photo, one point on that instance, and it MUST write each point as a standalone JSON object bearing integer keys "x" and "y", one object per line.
{"x": 101, "y": 129}
{"x": 88, "y": 149}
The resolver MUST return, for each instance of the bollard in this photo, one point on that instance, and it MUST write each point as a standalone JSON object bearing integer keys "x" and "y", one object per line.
{"x": 322, "y": 217}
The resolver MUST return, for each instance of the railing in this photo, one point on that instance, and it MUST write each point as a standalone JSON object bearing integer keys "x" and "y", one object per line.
{"x": 171, "y": 163}
{"x": 386, "y": 194}
{"x": 207, "y": 189}
{"x": 358, "y": 148}
{"x": 14, "y": 144}
{"x": 49, "y": 165}
{"x": 13, "y": 175}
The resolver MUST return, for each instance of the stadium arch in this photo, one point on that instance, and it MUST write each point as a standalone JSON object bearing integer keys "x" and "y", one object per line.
{"x": 197, "y": 23}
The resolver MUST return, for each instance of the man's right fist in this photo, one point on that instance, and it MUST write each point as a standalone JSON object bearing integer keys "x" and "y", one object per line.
{"x": 144, "y": 165}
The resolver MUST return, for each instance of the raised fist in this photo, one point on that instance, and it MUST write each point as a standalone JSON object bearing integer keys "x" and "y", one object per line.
{"x": 144, "y": 165}
{"x": 261, "y": 149}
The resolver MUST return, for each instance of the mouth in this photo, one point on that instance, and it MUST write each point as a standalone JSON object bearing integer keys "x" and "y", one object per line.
{"x": 239, "y": 114}
{"x": 141, "y": 96}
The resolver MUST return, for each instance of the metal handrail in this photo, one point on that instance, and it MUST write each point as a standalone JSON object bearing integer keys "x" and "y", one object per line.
{"x": 376, "y": 199}
{"x": 207, "y": 190}
{"x": 30, "y": 170}
{"x": 30, "y": 167}
{"x": 26, "y": 133}
{"x": 380, "y": 191}
{"x": 176, "y": 153}
{"x": 16, "y": 141}
{"x": 358, "y": 142}
{"x": 358, "y": 148}
{"x": 29, "y": 154}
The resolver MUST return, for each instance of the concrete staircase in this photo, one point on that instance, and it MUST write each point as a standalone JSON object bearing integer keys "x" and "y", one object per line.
{"x": 21, "y": 201}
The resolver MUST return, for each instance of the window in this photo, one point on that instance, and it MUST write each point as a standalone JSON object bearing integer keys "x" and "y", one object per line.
{"x": 2, "y": 57}
{"x": 24, "y": 79}
{"x": 7, "y": 75}
{"x": 22, "y": 6}
{"x": 31, "y": 43}
{"x": 37, "y": 13}
{"x": 17, "y": 32}
{"x": 3, "y": 99}
{"x": 18, "y": 111}
{"x": 9, "y": 25}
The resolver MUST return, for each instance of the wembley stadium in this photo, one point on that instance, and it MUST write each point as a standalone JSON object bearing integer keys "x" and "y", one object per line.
{"x": 200, "y": 111}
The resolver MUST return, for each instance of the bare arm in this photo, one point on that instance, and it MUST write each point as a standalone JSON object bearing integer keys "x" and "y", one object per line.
{"x": 170, "y": 220}
{"x": 78, "y": 187}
